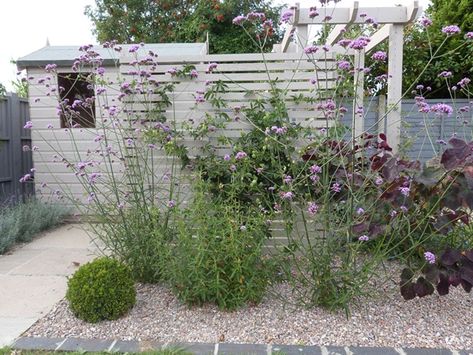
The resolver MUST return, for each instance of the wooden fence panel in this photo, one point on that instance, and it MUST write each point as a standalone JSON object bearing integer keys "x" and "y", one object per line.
{"x": 15, "y": 161}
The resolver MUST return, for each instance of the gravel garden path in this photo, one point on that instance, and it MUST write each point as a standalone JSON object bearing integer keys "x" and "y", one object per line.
{"x": 385, "y": 320}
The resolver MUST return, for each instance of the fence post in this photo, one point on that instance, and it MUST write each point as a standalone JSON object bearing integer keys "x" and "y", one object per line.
{"x": 359, "y": 63}
{"x": 16, "y": 147}
{"x": 393, "y": 129}
{"x": 381, "y": 114}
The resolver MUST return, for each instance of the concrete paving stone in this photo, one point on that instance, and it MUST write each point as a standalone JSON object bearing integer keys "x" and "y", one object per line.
{"x": 76, "y": 344}
{"x": 28, "y": 296}
{"x": 359, "y": 350}
{"x": 465, "y": 352}
{"x": 37, "y": 343}
{"x": 11, "y": 327}
{"x": 194, "y": 348}
{"x": 64, "y": 237}
{"x": 10, "y": 262}
{"x": 425, "y": 351}
{"x": 247, "y": 349}
{"x": 296, "y": 350}
{"x": 126, "y": 346}
{"x": 54, "y": 262}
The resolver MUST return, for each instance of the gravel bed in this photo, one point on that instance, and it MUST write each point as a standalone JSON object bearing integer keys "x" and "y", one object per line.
{"x": 383, "y": 320}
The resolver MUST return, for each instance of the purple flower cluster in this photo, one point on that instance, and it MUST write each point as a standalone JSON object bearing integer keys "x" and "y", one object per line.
{"x": 240, "y": 155}
{"x": 286, "y": 16}
{"x": 313, "y": 12}
{"x": 311, "y": 49}
{"x": 363, "y": 238}
{"x": 445, "y": 74}
{"x": 429, "y": 257}
{"x": 28, "y": 125}
{"x": 344, "y": 65}
{"x": 239, "y": 20}
{"x": 211, "y": 67}
{"x": 379, "y": 56}
{"x": 360, "y": 43}
{"x": 464, "y": 83}
{"x": 312, "y": 208}
{"x": 442, "y": 109}
{"x": 425, "y": 22}
{"x": 451, "y": 30}
{"x": 277, "y": 130}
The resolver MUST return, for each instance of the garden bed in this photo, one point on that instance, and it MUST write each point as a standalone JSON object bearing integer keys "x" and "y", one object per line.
{"x": 382, "y": 320}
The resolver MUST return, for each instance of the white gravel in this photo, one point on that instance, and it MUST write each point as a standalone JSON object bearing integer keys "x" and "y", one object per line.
{"x": 384, "y": 320}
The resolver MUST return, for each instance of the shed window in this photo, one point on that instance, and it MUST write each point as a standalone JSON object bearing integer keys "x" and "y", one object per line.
{"x": 80, "y": 111}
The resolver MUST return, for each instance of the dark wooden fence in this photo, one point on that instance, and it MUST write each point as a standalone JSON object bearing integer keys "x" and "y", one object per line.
{"x": 15, "y": 162}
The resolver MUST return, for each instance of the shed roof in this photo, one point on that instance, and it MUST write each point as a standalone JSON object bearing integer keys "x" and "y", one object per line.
{"x": 65, "y": 55}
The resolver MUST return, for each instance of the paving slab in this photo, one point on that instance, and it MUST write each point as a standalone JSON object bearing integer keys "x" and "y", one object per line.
{"x": 33, "y": 277}
{"x": 11, "y": 327}
{"x": 76, "y": 344}
{"x": 39, "y": 343}
{"x": 29, "y": 296}
{"x": 238, "y": 349}
{"x": 296, "y": 350}
{"x": 54, "y": 262}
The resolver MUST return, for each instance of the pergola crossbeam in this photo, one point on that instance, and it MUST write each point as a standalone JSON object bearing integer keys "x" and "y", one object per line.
{"x": 378, "y": 37}
{"x": 338, "y": 30}
{"x": 342, "y": 15}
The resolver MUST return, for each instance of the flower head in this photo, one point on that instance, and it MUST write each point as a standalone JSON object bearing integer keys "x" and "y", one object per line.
{"x": 363, "y": 238}
{"x": 286, "y": 16}
{"x": 442, "y": 109}
{"x": 379, "y": 56}
{"x": 239, "y": 20}
{"x": 240, "y": 155}
{"x": 28, "y": 125}
{"x": 344, "y": 65}
{"x": 429, "y": 257}
{"x": 451, "y": 30}
{"x": 312, "y": 208}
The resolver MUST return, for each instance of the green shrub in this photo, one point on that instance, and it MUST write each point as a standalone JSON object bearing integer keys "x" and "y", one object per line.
{"x": 101, "y": 290}
{"x": 21, "y": 222}
{"x": 217, "y": 256}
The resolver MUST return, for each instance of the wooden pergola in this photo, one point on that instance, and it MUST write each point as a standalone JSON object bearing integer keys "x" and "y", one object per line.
{"x": 391, "y": 21}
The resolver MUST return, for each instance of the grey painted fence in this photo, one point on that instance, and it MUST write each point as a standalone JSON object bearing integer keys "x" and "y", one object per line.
{"x": 14, "y": 162}
{"x": 424, "y": 134}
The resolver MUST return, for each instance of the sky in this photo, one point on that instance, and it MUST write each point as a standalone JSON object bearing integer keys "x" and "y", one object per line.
{"x": 25, "y": 26}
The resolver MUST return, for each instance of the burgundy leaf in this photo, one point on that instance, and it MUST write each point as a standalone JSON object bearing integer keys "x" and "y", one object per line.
{"x": 454, "y": 278}
{"x": 406, "y": 275}
{"x": 423, "y": 287}
{"x": 443, "y": 285}
{"x": 466, "y": 286}
{"x": 450, "y": 257}
{"x": 407, "y": 291}
{"x": 432, "y": 273}
{"x": 466, "y": 275}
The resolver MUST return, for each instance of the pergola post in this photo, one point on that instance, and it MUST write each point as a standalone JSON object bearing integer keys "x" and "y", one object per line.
{"x": 359, "y": 80}
{"x": 393, "y": 118}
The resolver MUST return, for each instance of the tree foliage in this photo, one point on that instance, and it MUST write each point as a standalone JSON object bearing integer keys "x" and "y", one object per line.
{"x": 161, "y": 21}
{"x": 417, "y": 51}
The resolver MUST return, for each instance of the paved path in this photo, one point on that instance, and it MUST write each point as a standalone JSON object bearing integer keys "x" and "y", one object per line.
{"x": 76, "y": 344}
{"x": 34, "y": 277}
